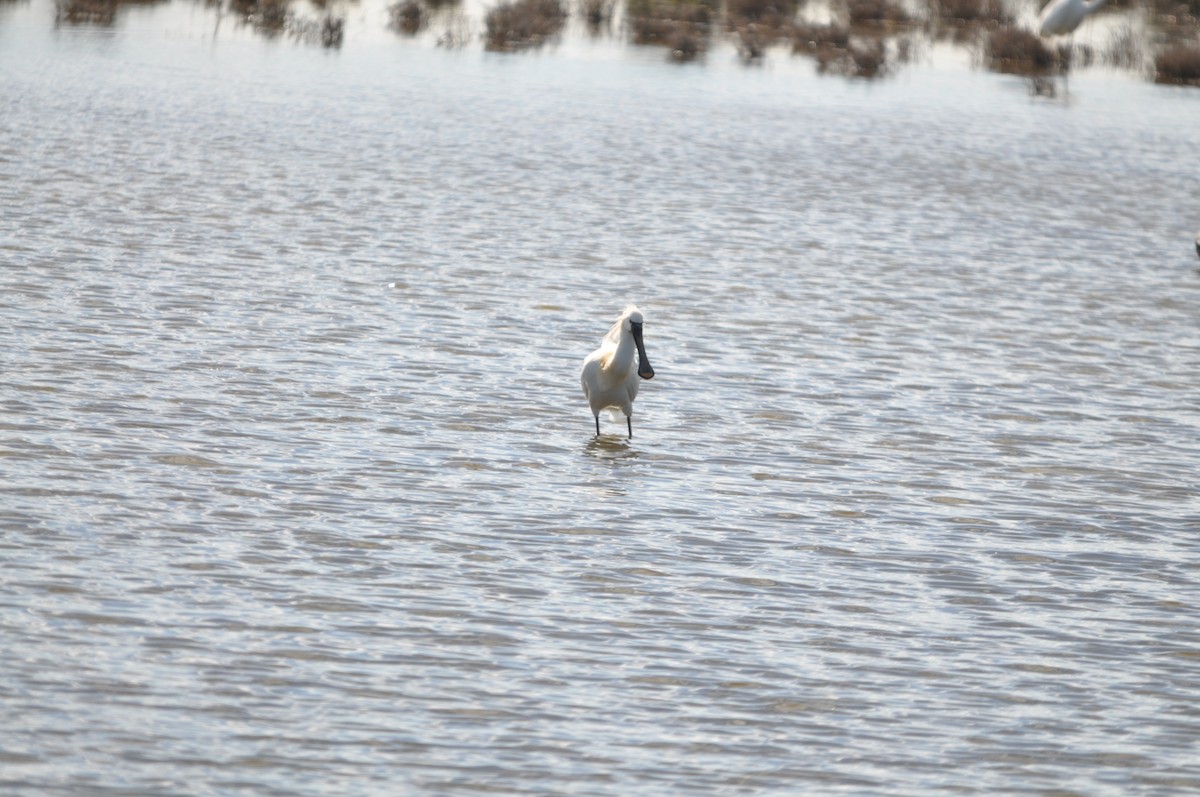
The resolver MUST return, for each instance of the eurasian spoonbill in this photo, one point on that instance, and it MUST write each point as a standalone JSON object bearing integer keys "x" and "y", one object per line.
{"x": 610, "y": 373}
{"x": 1063, "y": 16}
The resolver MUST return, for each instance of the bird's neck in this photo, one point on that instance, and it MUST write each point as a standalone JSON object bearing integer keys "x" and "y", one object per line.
{"x": 625, "y": 354}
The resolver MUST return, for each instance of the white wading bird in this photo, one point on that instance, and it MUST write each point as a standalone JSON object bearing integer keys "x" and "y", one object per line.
{"x": 1063, "y": 16}
{"x": 610, "y": 373}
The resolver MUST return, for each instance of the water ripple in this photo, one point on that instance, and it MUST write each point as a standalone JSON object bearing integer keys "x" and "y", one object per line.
{"x": 300, "y": 496}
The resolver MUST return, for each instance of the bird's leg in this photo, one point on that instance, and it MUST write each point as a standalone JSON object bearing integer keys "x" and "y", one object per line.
{"x": 629, "y": 422}
{"x": 597, "y": 426}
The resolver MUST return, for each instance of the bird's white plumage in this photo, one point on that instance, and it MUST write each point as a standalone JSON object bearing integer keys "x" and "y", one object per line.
{"x": 1061, "y": 17}
{"x": 610, "y": 374}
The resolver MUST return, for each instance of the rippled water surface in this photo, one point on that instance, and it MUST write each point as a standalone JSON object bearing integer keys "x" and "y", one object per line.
{"x": 300, "y": 495}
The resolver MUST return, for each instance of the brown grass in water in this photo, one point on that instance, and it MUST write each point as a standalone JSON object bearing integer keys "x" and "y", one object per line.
{"x": 987, "y": 13}
{"x": 770, "y": 14}
{"x": 523, "y": 24}
{"x": 875, "y": 13}
{"x": 837, "y": 52}
{"x": 91, "y": 12}
{"x": 1179, "y": 65}
{"x": 683, "y": 27}
{"x": 94, "y": 12}
{"x": 757, "y": 24}
{"x": 861, "y": 59}
{"x": 598, "y": 13}
{"x": 1017, "y": 51}
{"x": 407, "y": 16}
{"x": 267, "y": 16}
{"x": 812, "y": 39}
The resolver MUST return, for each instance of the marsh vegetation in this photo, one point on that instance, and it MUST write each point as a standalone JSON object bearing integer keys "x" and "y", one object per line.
{"x": 407, "y": 16}
{"x": 853, "y": 38}
{"x": 91, "y": 12}
{"x": 1178, "y": 64}
{"x": 684, "y": 27}
{"x": 521, "y": 24}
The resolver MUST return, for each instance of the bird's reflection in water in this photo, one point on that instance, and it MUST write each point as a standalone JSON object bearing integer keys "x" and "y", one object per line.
{"x": 617, "y": 454}
{"x": 610, "y": 449}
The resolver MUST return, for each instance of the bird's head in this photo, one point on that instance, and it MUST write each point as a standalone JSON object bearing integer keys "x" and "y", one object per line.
{"x": 634, "y": 321}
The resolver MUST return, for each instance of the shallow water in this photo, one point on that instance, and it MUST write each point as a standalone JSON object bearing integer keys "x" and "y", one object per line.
{"x": 300, "y": 495}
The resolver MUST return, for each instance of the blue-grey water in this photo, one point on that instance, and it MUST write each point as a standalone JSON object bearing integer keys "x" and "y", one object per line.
{"x": 300, "y": 495}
